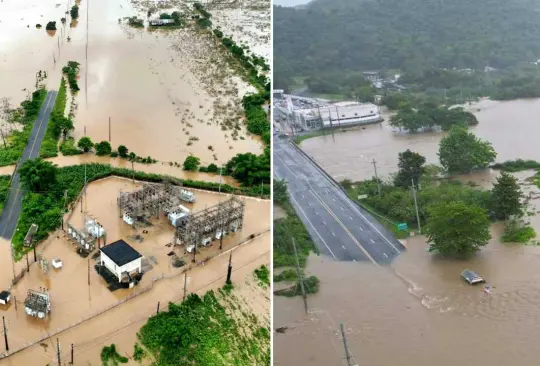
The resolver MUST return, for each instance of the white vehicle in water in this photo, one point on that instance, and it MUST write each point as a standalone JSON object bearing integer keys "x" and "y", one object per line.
{"x": 187, "y": 196}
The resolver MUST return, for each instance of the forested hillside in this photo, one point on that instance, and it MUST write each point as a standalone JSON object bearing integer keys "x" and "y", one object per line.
{"x": 410, "y": 35}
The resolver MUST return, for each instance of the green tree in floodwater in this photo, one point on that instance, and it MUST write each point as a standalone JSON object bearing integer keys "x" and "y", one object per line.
{"x": 74, "y": 12}
{"x": 411, "y": 167}
{"x": 51, "y": 26}
{"x": 457, "y": 229}
{"x": 462, "y": 152}
{"x": 103, "y": 148}
{"x": 38, "y": 175}
{"x": 506, "y": 197}
{"x": 192, "y": 163}
{"x": 85, "y": 144}
{"x": 123, "y": 151}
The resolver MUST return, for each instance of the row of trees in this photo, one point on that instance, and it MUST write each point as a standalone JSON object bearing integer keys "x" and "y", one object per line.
{"x": 431, "y": 116}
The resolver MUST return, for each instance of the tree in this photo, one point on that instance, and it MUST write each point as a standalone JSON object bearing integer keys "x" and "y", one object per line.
{"x": 103, "y": 148}
{"x": 85, "y": 144}
{"x": 64, "y": 124}
{"x": 192, "y": 163}
{"x": 123, "y": 151}
{"x": 250, "y": 169}
{"x": 462, "y": 152}
{"x": 457, "y": 229}
{"x": 51, "y": 26}
{"x": 366, "y": 95}
{"x": 212, "y": 168}
{"x": 132, "y": 156}
{"x": 74, "y": 12}
{"x": 505, "y": 197}
{"x": 411, "y": 167}
{"x": 38, "y": 175}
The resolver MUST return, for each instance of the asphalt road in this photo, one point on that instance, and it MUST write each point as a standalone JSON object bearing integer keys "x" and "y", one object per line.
{"x": 338, "y": 226}
{"x": 12, "y": 209}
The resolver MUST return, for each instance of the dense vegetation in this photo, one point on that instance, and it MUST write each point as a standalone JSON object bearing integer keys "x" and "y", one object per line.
{"x": 26, "y": 115}
{"x": 431, "y": 116}
{"x": 45, "y": 207}
{"x": 58, "y": 124}
{"x": 51, "y": 26}
{"x": 4, "y": 189}
{"x": 71, "y": 71}
{"x": 440, "y": 48}
{"x": 250, "y": 169}
{"x": 199, "y": 331}
{"x": 285, "y": 229}
{"x": 74, "y": 12}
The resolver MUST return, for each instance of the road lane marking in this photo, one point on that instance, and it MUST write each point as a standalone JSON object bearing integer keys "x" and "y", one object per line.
{"x": 343, "y": 226}
{"x": 313, "y": 227}
{"x": 343, "y": 246}
{"x": 342, "y": 209}
{"x": 354, "y": 260}
{"x": 324, "y": 222}
{"x": 385, "y": 255}
{"x": 350, "y": 217}
{"x": 333, "y": 233}
{"x": 372, "y": 241}
{"x": 316, "y": 213}
{"x": 360, "y": 228}
{"x": 31, "y": 150}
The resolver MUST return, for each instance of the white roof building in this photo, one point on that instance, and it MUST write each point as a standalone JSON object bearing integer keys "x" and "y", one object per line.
{"x": 121, "y": 259}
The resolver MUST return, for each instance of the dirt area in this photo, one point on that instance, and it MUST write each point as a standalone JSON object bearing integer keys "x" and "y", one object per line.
{"x": 73, "y": 298}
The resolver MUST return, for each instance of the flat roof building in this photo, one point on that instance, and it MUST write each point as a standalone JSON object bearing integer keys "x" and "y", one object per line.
{"x": 342, "y": 114}
{"x": 121, "y": 259}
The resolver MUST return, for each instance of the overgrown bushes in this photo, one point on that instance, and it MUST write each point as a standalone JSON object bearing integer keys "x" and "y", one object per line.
{"x": 58, "y": 124}
{"x": 71, "y": 71}
{"x": 51, "y": 26}
{"x": 74, "y": 12}
{"x": 19, "y": 139}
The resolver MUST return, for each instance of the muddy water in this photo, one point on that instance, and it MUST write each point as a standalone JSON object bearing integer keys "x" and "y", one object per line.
{"x": 72, "y": 297}
{"x": 159, "y": 88}
{"x": 509, "y": 126}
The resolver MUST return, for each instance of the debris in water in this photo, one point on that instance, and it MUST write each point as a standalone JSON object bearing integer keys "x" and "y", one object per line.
{"x": 282, "y": 330}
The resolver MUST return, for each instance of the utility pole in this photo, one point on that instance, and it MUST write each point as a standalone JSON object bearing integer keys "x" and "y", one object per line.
{"x": 229, "y": 270}
{"x": 376, "y": 176}
{"x": 185, "y": 286}
{"x": 5, "y": 333}
{"x": 416, "y": 206}
{"x": 84, "y": 131}
{"x": 157, "y": 312}
{"x": 27, "y": 264}
{"x": 133, "y": 170}
{"x": 347, "y": 354}
{"x": 109, "y": 129}
{"x": 220, "y": 175}
{"x": 72, "y": 354}
{"x": 300, "y": 278}
{"x": 58, "y": 352}
{"x": 89, "y": 272}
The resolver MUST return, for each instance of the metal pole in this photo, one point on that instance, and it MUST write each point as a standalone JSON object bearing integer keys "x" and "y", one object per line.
{"x": 416, "y": 206}
{"x": 185, "y": 286}
{"x": 347, "y": 354}
{"x": 5, "y": 333}
{"x": 133, "y": 170}
{"x": 88, "y": 271}
{"x": 376, "y": 176}
{"x": 58, "y": 352}
{"x": 72, "y": 354}
{"x": 27, "y": 264}
{"x": 220, "y": 169}
{"x": 109, "y": 129}
{"x": 300, "y": 278}
{"x": 157, "y": 312}
{"x": 229, "y": 270}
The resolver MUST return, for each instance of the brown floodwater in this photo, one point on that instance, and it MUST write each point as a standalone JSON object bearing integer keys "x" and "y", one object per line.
{"x": 73, "y": 298}
{"x": 510, "y": 126}
{"x": 418, "y": 311}
{"x": 159, "y": 88}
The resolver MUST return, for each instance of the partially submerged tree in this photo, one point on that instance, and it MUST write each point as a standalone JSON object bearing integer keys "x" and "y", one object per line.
{"x": 462, "y": 152}
{"x": 192, "y": 163}
{"x": 457, "y": 229}
{"x": 38, "y": 175}
{"x": 123, "y": 151}
{"x": 85, "y": 144}
{"x": 51, "y": 26}
{"x": 506, "y": 197}
{"x": 103, "y": 148}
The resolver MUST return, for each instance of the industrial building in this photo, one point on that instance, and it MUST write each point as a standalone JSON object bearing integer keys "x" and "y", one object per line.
{"x": 122, "y": 260}
{"x": 38, "y": 303}
{"x": 341, "y": 114}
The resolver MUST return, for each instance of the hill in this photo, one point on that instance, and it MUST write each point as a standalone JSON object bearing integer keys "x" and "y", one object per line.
{"x": 410, "y": 35}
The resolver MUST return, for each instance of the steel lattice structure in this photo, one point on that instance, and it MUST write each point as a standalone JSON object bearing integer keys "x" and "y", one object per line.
{"x": 204, "y": 225}
{"x": 151, "y": 200}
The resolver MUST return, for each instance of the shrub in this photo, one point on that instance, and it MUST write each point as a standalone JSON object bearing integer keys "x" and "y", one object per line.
{"x": 103, "y": 148}
{"x": 51, "y": 26}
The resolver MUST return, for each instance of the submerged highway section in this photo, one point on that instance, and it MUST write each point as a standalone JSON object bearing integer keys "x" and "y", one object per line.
{"x": 338, "y": 226}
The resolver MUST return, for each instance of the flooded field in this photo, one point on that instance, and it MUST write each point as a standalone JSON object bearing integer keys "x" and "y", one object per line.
{"x": 121, "y": 324}
{"x": 73, "y": 297}
{"x": 509, "y": 126}
{"x": 168, "y": 93}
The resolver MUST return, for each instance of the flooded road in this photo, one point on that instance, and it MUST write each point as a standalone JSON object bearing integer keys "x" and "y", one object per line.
{"x": 167, "y": 93}
{"x": 418, "y": 311}
{"x": 510, "y": 126}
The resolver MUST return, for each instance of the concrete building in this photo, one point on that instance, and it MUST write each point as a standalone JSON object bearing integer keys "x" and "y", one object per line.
{"x": 341, "y": 114}
{"x": 121, "y": 260}
{"x": 372, "y": 76}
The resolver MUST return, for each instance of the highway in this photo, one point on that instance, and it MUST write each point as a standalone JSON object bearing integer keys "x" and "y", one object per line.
{"x": 12, "y": 208}
{"x": 339, "y": 227}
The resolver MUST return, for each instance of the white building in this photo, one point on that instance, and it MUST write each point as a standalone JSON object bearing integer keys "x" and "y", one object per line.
{"x": 341, "y": 114}
{"x": 121, "y": 259}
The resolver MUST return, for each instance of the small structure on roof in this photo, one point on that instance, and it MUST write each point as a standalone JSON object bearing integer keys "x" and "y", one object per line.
{"x": 5, "y": 296}
{"x": 122, "y": 260}
{"x": 38, "y": 304}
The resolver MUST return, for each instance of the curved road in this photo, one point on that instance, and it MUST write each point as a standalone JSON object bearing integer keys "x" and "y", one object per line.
{"x": 338, "y": 226}
{"x": 12, "y": 209}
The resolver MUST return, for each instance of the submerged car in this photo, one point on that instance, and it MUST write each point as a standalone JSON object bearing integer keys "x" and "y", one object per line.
{"x": 472, "y": 277}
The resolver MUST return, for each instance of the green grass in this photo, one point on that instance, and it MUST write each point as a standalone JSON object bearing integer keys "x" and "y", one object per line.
{"x": 68, "y": 147}
{"x": 111, "y": 357}
{"x": 49, "y": 147}
{"x": 311, "y": 286}
{"x": 263, "y": 275}
{"x": 310, "y": 135}
{"x": 199, "y": 331}
{"x": 287, "y": 275}
{"x": 19, "y": 139}
{"x": 518, "y": 234}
